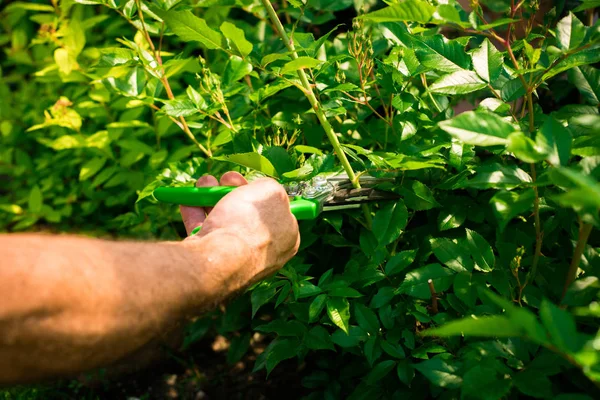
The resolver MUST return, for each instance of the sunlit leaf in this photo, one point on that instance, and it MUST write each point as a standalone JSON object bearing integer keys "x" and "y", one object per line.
{"x": 250, "y": 160}
{"x": 458, "y": 82}
{"x": 415, "y": 284}
{"x": 479, "y": 128}
{"x": 237, "y": 38}
{"x": 487, "y": 61}
{"x": 338, "y": 310}
{"x": 389, "y": 222}
{"x": 191, "y": 28}
{"x": 408, "y": 10}
{"x": 569, "y": 32}
{"x": 507, "y": 205}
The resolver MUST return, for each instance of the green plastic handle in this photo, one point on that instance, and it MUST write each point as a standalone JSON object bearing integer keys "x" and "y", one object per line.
{"x": 301, "y": 208}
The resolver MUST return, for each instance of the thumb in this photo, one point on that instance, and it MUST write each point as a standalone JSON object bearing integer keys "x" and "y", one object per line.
{"x": 194, "y": 217}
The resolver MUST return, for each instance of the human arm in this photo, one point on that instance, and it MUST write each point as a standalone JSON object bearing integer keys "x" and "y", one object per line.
{"x": 71, "y": 304}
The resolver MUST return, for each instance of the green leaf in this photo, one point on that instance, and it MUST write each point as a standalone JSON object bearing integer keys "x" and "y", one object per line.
{"x": 534, "y": 384}
{"x": 498, "y": 176}
{"x": 393, "y": 349}
{"x": 454, "y": 253}
{"x": 560, "y": 326}
{"x": 91, "y": 167}
{"x": 389, "y": 222}
{"x": 237, "y": 38}
{"x": 250, "y": 160}
{"x": 512, "y": 90}
{"x": 23, "y": 5}
{"x": 319, "y": 339}
{"x": 408, "y": 10}
{"x": 487, "y": 61}
{"x": 280, "y": 350}
{"x": 279, "y": 158}
{"x": 261, "y": 296}
{"x": 570, "y": 32}
{"x": 452, "y": 218}
{"x": 191, "y": 28}
{"x": 583, "y": 192}
{"x": 283, "y": 328}
{"x": 479, "y": 128}
{"x": 524, "y": 148}
{"x": 338, "y": 310}
{"x": 449, "y": 13}
{"x": 519, "y": 317}
{"x": 458, "y": 82}
{"x": 35, "y": 200}
{"x": 11, "y": 208}
{"x": 482, "y": 382}
{"x": 415, "y": 284}
{"x": 440, "y": 373}
{"x": 269, "y": 58}
{"x": 399, "y": 262}
{"x": 585, "y": 57}
{"x": 344, "y": 292}
{"x": 196, "y": 98}
{"x": 440, "y": 54}
{"x": 498, "y": 22}
{"x": 587, "y": 4}
{"x": 554, "y": 140}
{"x": 382, "y": 297}
{"x": 300, "y": 63}
{"x": 366, "y": 318}
{"x": 419, "y": 198}
{"x": 238, "y": 347}
{"x": 372, "y": 349}
{"x": 405, "y": 372}
{"x": 235, "y": 69}
{"x": 305, "y": 289}
{"x": 380, "y": 371}
{"x": 466, "y": 285}
{"x": 507, "y": 205}
{"x": 587, "y": 80}
{"x": 179, "y": 108}
{"x": 308, "y": 149}
{"x": 354, "y": 336}
{"x": 487, "y": 326}
{"x": 481, "y": 251}
{"x": 316, "y": 307}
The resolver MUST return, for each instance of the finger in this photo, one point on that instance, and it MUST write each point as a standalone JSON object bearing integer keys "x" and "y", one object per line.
{"x": 233, "y": 178}
{"x": 195, "y": 216}
{"x": 209, "y": 181}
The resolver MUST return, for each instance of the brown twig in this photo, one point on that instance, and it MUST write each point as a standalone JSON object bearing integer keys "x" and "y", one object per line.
{"x": 584, "y": 233}
{"x": 183, "y": 123}
{"x": 434, "y": 300}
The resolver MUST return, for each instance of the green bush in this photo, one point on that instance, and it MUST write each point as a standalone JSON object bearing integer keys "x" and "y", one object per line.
{"x": 481, "y": 282}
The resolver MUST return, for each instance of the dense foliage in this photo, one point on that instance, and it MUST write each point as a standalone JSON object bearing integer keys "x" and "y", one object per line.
{"x": 481, "y": 282}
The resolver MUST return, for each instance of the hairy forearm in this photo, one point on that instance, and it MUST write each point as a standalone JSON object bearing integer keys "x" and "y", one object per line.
{"x": 71, "y": 304}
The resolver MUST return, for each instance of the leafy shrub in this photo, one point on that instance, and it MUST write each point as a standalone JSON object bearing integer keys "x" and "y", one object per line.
{"x": 481, "y": 282}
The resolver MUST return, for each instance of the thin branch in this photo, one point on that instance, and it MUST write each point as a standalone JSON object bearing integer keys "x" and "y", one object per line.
{"x": 311, "y": 96}
{"x": 434, "y": 302}
{"x": 183, "y": 123}
{"x": 584, "y": 233}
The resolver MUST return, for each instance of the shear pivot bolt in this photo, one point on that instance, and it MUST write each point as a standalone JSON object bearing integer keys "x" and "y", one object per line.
{"x": 319, "y": 181}
{"x": 310, "y": 192}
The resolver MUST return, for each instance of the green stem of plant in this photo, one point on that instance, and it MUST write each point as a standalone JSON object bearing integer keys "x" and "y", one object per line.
{"x": 536, "y": 201}
{"x": 538, "y": 228}
{"x": 310, "y": 95}
{"x": 584, "y": 233}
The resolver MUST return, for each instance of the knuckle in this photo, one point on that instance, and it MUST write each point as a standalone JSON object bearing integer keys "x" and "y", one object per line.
{"x": 274, "y": 188}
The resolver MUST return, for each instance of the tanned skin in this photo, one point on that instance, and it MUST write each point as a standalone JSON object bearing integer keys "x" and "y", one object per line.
{"x": 72, "y": 304}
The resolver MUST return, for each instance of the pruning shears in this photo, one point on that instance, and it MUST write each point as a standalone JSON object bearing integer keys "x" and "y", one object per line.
{"x": 307, "y": 199}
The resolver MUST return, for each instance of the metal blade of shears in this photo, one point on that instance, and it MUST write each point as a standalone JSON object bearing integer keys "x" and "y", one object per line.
{"x": 353, "y": 198}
